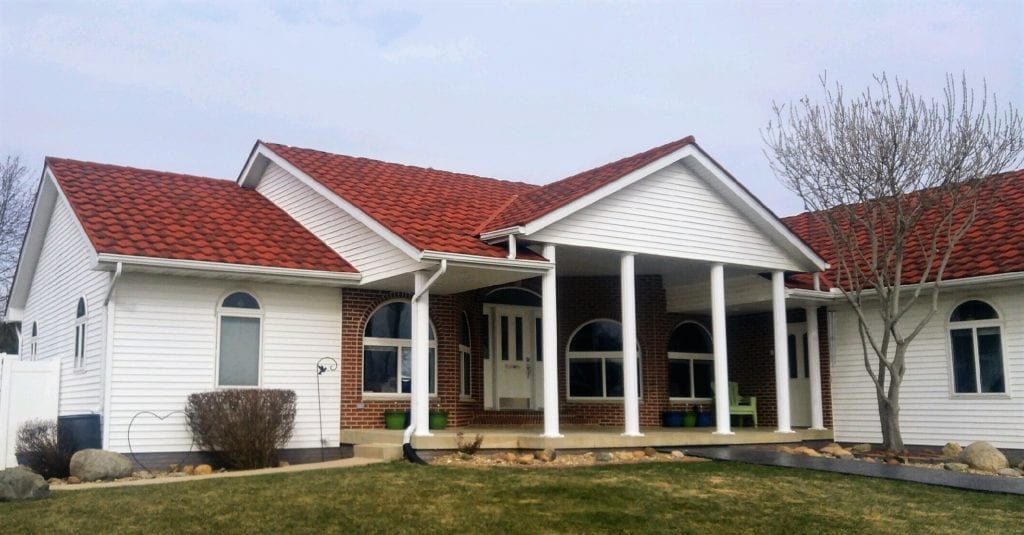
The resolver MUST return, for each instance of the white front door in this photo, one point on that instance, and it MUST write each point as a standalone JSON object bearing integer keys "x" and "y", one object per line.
{"x": 514, "y": 364}
{"x": 799, "y": 378}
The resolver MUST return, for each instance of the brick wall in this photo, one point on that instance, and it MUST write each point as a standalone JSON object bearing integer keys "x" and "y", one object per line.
{"x": 581, "y": 299}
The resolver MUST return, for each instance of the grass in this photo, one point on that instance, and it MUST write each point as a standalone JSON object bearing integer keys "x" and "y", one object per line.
{"x": 398, "y": 497}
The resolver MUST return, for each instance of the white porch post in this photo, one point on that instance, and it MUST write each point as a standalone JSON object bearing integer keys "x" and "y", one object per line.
{"x": 814, "y": 361}
{"x": 549, "y": 345}
{"x": 631, "y": 387}
{"x": 718, "y": 341}
{"x": 420, "y": 404}
{"x": 781, "y": 353}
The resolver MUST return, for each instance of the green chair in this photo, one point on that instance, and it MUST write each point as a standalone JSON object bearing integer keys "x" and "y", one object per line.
{"x": 740, "y": 405}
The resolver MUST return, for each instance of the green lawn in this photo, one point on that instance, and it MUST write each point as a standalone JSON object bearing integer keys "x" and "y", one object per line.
{"x": 398, "y": 497}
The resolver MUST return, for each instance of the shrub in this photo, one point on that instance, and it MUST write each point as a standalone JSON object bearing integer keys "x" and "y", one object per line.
{"x": 466, "y": 446}
{"x": 244, "y": 428}
{"x": 45, "y": 448}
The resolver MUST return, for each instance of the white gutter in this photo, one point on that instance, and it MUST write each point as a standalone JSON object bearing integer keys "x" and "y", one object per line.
{"x": 221, "y": 267}
{"x": 538, "y": 266}
{"x": 512, "y": 247}
{"x": 108, "y": 357}
{"x": 500, "y": 233}
{"x": 113, "y": 283}
{"x": 981, "y": 280}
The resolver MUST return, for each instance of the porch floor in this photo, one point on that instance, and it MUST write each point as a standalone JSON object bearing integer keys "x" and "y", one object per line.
{"x": 583, "y": 437}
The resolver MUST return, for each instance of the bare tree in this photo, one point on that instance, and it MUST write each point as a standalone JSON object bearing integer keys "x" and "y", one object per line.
{"x": 895, "y": 181}
{"x": 16, "y": 196}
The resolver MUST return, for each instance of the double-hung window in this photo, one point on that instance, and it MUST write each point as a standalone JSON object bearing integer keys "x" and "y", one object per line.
{"x": 691, "y": 362}
{"x": 387, "y": 351}
{"x": 976, "y": 345}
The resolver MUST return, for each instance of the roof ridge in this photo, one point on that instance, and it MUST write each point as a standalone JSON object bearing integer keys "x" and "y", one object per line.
{"x": 479, "y": 229}
{"x": 409, "y": 166}
{"x": 48, "y": 159}
{"x": 688, "y": 140}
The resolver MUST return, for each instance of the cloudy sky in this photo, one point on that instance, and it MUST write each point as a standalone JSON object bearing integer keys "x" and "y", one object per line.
{"x": 531, "y": 91}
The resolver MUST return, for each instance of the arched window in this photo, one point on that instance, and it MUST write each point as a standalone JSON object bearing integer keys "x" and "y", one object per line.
{"x": 240, "y": 318}
{"x": 513, "y": 296}
{"x": 465, "y": 359}
{"x": 595, "y": 360}
{"x": 31, "y": 343}
{"x": 80, "y": 318}
{"x": 387, "y": 351}
{"x": 977, "y": 349}
{"x": 691, "y": 366}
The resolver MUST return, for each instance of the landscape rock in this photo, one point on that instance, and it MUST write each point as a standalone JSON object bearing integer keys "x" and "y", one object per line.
{"x": 18, "y": 484}
{"x": 72, "y": 480}
{"x": 143, "y": 474}
{"x": 956, "y": 467}
{"x": 283, "y": 464}
{"x": 604, "y": 457}
{"x": 188, "y": 469}
{"x": 526, "y": 458}
{"x": 984, "y": 456}
{"x": 861, "y": 448}
{"x": 837, "y": 451}
{"x": 804, "y": 450}
{"x": 650, "y": 452}
{"x": 96, "y": 465}
{"x": 870, "y": 460}
{"x": 639, "y": 454}
{"x": 547, "y": 455}
{"x": 1011, "y": 472}
{"x": 952, "y": 450}
{"x": 203, "y": 470}
{"x": 678, "y": 454}
{"x": 784, "y": 449}
{"x": 177, "y": 474}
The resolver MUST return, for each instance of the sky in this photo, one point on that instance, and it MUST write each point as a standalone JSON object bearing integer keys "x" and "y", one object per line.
{"x": 520, "y": 90}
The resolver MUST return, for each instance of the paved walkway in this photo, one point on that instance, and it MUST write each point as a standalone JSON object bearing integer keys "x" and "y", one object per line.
{"x": 339, "y": 463}
{"x": 930, "y": 476}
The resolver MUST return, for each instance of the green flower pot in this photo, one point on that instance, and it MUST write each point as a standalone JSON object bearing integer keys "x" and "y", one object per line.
{"x": 690, "y": 419}
{"x": 438, "y": 419}
{"x": 394, "y": 420}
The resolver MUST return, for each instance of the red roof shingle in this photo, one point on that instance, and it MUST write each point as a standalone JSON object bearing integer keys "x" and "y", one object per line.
{"x": 430, "y": 209}
{"x": 539, "y": 202}
{"x": 993, "y": 244}
{"x": 147, "y": 213}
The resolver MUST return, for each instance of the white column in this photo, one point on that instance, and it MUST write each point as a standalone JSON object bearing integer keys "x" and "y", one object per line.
{"x": 420, "y": 404}
{"x": 814, "y": 361}
{"x": 549, "y": 345}
{"x": 718, "y": 341}
{"x": 631, "y": 385}
{"x": 781, "y": 353}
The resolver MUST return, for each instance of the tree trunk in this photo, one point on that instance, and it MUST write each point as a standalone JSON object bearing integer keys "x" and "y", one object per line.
{"x": 889, "y": 416}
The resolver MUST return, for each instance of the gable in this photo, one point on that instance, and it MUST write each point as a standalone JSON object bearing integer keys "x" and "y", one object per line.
{"x": 354, "y": 241}
{"x": 673, "y": 212}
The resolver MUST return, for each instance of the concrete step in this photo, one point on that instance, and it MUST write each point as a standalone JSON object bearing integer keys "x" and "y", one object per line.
{"x": 387, "y": 452}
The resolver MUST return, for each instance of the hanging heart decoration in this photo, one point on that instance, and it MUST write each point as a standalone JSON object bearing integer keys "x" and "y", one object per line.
{"x": 161, "y": 418}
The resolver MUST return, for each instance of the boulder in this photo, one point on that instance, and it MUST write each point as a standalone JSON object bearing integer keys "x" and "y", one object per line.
{"x": 804, "y": 450}
{"x": 678, "y": 454}
{"x": 604, "y": 457}
{"x": 639, "y": 454}
{"x": 650, "y": 452}
{"x": 861, "y": 448}
{"x": 96, "y": 465}
{"x": 188, "y": 469}
{"x": 1010, "y": 472}
{"x": 72, "y": 480}
{"x": 203, "y": 470}
{"x": 526, "y": 458}
{"x": 984, "y": 456}
{"x": 956, "y": 467}
{"x": 546, "y": 456}
{"x": 836, "y": 450}
{"x": 952, "y": 450}
{"x": 20, "y": 484}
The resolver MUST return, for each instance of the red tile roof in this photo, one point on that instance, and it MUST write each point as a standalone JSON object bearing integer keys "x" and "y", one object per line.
{"x": 164, "y": 215}
{"x": 539, "y": 202}
{"x": 994, "y": 243}
{"x": 428, "y": 208}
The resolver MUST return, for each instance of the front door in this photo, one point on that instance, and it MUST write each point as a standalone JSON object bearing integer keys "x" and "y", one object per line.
{"x": 799, "y": 380}
{"x": 514, "y": 364}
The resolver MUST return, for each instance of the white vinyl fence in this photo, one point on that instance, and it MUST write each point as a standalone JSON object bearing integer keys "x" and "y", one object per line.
{"x": 29, "y": 390}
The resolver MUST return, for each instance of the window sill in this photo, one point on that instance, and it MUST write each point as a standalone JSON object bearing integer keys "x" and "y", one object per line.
{"x": 598, "y": 400}
{"x": 466, "y": 399}
{"x": 981, "y": 397}
{"x": 691, "y": 400}
{"x": 80, "y": 371}
{"x": 378, "y": 396}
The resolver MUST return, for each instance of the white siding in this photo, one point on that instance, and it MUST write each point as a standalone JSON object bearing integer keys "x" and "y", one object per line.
{"x": 165, "y": 348}
{"x": 930, "y": 414}
{"x": 64, "y": 273}
{"x": 696, "y": 297}
{"x": 373, "y": 256}
{"x": 670, "y": 213}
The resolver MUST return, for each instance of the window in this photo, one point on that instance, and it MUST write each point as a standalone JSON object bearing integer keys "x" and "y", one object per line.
{"x": 240, "y": 318}
{"x": 691, "y": 362}
{"x": 465, "y": 359}
{"x": 387, "y": 351}
{"x": 80, "y": 318}
{"x": 595, "y": 361}
{"x": 977, "y": 349}
{"x": 30, "y": 345}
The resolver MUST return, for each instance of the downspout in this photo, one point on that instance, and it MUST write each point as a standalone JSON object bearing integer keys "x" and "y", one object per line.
{"x": 108, "y": 371}
{"x": 407, "y": 448}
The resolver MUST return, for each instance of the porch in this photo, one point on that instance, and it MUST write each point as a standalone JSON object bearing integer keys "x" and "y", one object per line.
{"x": 581, "y": 437}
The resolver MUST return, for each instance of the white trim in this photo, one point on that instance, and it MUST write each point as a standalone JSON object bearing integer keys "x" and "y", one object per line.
{"x": 232, "y": 312}
{"x": 261, "y": 150}
{"x": 495, "y": 235}
{"x": 221, "y": 267}
{"x": 532, "y": 266}
{"x": 973, "y": 326}
{"x": 43, "y": 205}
